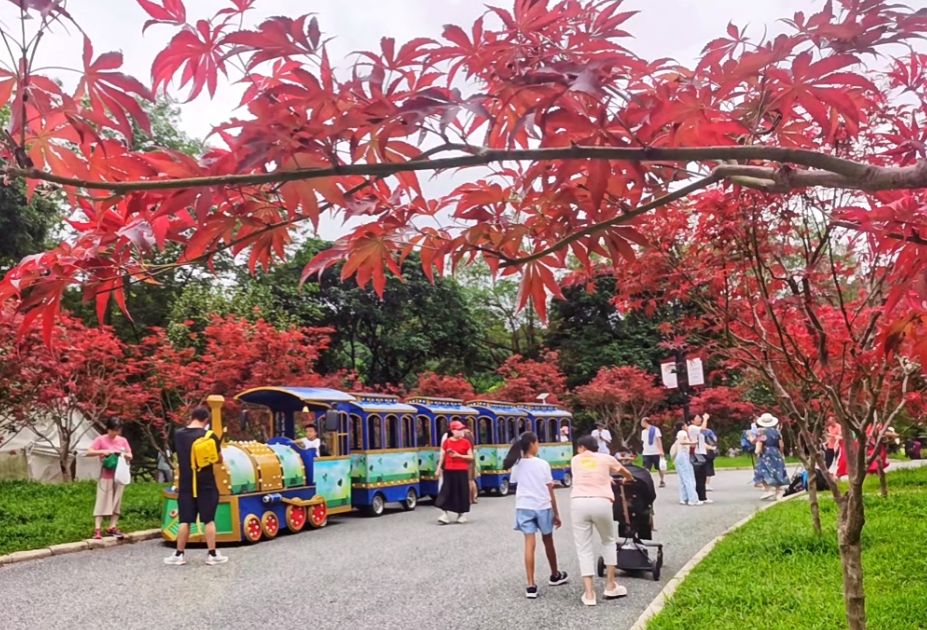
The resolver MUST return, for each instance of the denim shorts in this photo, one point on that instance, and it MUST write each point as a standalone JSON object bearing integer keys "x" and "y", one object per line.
{"x": 533, "y": 521}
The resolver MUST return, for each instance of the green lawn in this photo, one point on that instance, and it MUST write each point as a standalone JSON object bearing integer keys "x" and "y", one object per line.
{"x": 774, "y": 573}
{"x": 35, "y": 515}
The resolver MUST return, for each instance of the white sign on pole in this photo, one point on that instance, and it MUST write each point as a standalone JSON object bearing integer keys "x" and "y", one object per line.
{"x": 695, "y": 372}
{"x": 668, "y": 371}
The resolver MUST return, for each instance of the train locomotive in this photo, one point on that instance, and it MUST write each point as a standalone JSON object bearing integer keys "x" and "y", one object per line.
{"x": 382, "y": 450}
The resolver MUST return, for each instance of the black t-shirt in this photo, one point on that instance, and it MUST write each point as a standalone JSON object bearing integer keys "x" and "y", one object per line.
{"x": 183, "y": 446}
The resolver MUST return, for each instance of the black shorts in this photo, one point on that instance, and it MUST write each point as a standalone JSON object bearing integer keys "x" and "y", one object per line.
{"x": 652, "y": 462}
{"x": 204, "y": 504}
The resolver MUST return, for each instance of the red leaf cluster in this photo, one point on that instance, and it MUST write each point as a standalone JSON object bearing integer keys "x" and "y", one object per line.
{"x": 443, "y": 386}
{"x": 526, "y": 379}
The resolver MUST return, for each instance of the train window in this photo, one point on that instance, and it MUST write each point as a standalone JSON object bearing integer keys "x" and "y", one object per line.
{"x": 542, "y": 431}
{"x": 441, "y": 423}
{"x": 513, "y": 429}
{"x": 554, "y": 435}
{"x": 357, "y": 433}
{"x": 408, "y": 432}
{"x": 485, "y": 433}
{"x": 392, "y": 432}
{"x": 469, "y": 422}
{"x": 424, "y": 431}
{"x": 374, "y": 432}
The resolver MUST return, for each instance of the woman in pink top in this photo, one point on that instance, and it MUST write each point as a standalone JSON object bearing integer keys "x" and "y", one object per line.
{"x": 591, "y": 502}
{"x": 109, "y": 493}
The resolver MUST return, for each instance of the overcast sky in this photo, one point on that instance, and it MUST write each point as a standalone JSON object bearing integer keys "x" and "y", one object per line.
{"x": 664, "y": 28}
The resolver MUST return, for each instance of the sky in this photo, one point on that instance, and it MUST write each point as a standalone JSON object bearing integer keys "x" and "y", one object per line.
{"x": 664, "y": 28}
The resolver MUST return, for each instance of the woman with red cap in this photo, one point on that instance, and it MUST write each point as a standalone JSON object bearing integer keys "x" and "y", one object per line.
{"x": 454, "y": 467}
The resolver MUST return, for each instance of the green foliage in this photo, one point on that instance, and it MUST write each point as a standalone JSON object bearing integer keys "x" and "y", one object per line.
{"x": 35, "y": 515}
{"x": 24, "y": 224}
{"x": 776, "y": 573}
{"x": 589, "y": 333}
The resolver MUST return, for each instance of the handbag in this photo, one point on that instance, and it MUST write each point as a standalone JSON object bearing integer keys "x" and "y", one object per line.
{"x": 123, "y": 475}
{"x": 698, "y": 460}
{"x": 662, "y": 464}
{"x": 111, "y": 461}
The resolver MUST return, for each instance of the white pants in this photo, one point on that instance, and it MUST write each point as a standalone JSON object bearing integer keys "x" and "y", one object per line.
{"x": 588, "y": 514}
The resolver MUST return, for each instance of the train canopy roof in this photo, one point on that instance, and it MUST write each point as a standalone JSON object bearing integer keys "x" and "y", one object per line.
{"x": 379, "y": 403}
{"x": 499, "y": 408}
{"x": 288, "y": 399}
{"x": 442, "y": 406}
{"x": 546, "y": 411}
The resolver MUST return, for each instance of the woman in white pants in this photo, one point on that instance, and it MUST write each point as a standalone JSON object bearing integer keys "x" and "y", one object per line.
{"x": 591, "y": 502}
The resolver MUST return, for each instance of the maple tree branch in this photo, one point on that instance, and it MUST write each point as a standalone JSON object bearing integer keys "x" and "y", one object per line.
{"x": 829, "y": 171}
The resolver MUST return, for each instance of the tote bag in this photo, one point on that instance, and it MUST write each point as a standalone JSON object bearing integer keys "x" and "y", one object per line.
{"x": 122, "y": 474}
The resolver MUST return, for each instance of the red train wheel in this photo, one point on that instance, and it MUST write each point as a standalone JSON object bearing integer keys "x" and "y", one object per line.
{"x": 251, "y": 528}
{"x": 318, "y": 515}
{"x": 270, "y": 524}
{"x": 296, "y": 516}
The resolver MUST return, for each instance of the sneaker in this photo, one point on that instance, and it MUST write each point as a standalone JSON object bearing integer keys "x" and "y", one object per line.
{"x": 558, "y": 578}
{"x": 216, "y": 558}
{"x": 114, "y": 531}
{"x": 443, "y": 519}
{"x": 708, "y": 501}
{"x": 176, "y": 559}
{"x": 588, "y": 602}
{"x": 615, "y": 593}
{"x": 662, "y": 484}
{"x": 683, "y": 503}
{"x": 695, "y": 502}
{"x": 531, "y": 592}
{"x": 97, "y": 534}
{"x": 462, "y": 519}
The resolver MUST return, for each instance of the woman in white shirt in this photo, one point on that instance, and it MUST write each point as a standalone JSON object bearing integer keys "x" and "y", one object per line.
{"x": 680, "y": 453}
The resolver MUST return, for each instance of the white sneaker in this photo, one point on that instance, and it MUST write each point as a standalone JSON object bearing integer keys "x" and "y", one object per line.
{"x": 618, "y": 591}
{"x": 175, "y": 560}
{"x": 218, "y": 558}
{"x": 708, "y": 501}
{"x": 443, "y": 519}
{"x": 462, "y": 519}
{"x": 683, "y": 503}
{"x": 695, "y": 502}
{"x": 587, "y": 602}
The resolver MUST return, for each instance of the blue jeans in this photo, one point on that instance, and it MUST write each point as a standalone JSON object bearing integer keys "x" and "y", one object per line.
{"x": 686, "y": 474}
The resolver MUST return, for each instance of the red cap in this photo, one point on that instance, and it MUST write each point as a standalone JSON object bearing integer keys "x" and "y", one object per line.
{"x": 457, "y": 425}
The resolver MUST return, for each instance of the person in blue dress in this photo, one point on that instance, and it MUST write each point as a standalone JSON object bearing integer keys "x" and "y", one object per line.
{"x": 770, "y": 465}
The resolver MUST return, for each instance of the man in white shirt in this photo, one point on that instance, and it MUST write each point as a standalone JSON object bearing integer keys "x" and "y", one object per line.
{"x": 652, "y": 439}
{"x": 603, "y": 437}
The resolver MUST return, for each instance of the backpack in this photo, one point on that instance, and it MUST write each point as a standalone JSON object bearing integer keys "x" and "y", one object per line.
{"x": 203, "y": 453}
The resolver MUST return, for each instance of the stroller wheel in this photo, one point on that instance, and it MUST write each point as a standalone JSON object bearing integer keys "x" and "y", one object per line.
{"x": 600, "y": 567}
{"x": 656, "y": 573}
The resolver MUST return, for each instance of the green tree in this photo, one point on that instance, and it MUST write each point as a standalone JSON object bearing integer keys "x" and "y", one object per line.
{"x": 24, "y": 223}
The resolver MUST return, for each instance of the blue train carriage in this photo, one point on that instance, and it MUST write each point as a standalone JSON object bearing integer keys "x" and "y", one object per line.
{"x": 499, "y": 424}
{"x": 384, "y": 452}
{"x": 432, "y": 419}
{"x": 267, "y": 488}
{"x": 549, "y": 420}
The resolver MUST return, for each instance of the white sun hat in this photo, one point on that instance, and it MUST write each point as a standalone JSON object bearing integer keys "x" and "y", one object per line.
{"x": 767, "y": 420}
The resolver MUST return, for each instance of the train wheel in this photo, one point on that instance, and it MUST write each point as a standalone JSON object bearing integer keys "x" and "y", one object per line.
{"x": 377, "y": 505}
{"x": 503, "y": 487}
{"x": 270, "y": 524}
{"x": 296, "y": 516}
{"x": 318, "y": 515}
{"x": 251, "y": 528}
{"x": 411, "y": 500}
{"x": 567, "y": 480}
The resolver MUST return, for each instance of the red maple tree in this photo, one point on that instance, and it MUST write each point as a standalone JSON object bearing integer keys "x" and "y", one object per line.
{"x": 620, "y": 396}
{"x": 443, "y": 386}
{"x": 526, "y": 379}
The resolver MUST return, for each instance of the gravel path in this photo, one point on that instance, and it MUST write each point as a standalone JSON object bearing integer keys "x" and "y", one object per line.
{"x": 398, "y": 571}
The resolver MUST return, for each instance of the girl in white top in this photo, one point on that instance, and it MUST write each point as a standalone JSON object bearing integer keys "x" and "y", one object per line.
{"x": 535, "y": 506}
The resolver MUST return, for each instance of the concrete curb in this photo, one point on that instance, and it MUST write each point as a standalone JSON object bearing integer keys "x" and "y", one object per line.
{"x": 74, "y": 547}
{"x": 658, "y": 602}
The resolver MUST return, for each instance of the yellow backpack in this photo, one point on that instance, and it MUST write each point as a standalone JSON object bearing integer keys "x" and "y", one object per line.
{"x": 203, "y": 453}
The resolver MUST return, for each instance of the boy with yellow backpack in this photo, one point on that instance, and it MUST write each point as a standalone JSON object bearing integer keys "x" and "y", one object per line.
{"x": 197, "y": 450}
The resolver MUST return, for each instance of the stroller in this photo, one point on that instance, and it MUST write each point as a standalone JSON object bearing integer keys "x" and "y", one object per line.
{"x": 633, "y": 511}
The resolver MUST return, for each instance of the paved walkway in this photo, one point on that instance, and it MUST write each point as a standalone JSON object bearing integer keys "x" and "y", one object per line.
{"x": 399, "y": 571}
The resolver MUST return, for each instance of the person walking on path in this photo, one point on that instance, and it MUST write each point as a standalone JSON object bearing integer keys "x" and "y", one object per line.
{"x": 202, "y": 506}
{"x": 652, "y": 439}
{"x": 535, "y": 507}
{"x": 591, "y": 502}
{"x": 603, "y": 438}
{"x": 711, "y": 453}
{"x": 473, "y": 473}
{"x": 109, "y": 447}
{"x": 680, "y": 452}
{"x": 699, "y": 459}
{"x": 770, "y": 466}
{"x": 456, "y": 455}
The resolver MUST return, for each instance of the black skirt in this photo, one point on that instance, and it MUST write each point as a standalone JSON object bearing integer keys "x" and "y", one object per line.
{"x": 454, "y": 495}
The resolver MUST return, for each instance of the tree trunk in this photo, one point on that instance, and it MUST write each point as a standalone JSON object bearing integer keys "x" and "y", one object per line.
{"x": 64, "y": 463}
{"x": 813, "y": 497}
{"x": 849, "y": 537}
{"x": 883, "y": 482}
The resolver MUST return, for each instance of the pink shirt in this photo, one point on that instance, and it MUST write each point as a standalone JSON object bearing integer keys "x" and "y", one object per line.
{"x": 591, "y": 475}
{"x": 105, "y": 443}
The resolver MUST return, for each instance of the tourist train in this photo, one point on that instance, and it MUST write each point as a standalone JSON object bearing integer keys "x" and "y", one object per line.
{"x": 381, "y": 450}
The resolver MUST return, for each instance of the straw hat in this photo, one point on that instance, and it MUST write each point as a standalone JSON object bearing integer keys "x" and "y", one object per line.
{"x": 767, "y": 420}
